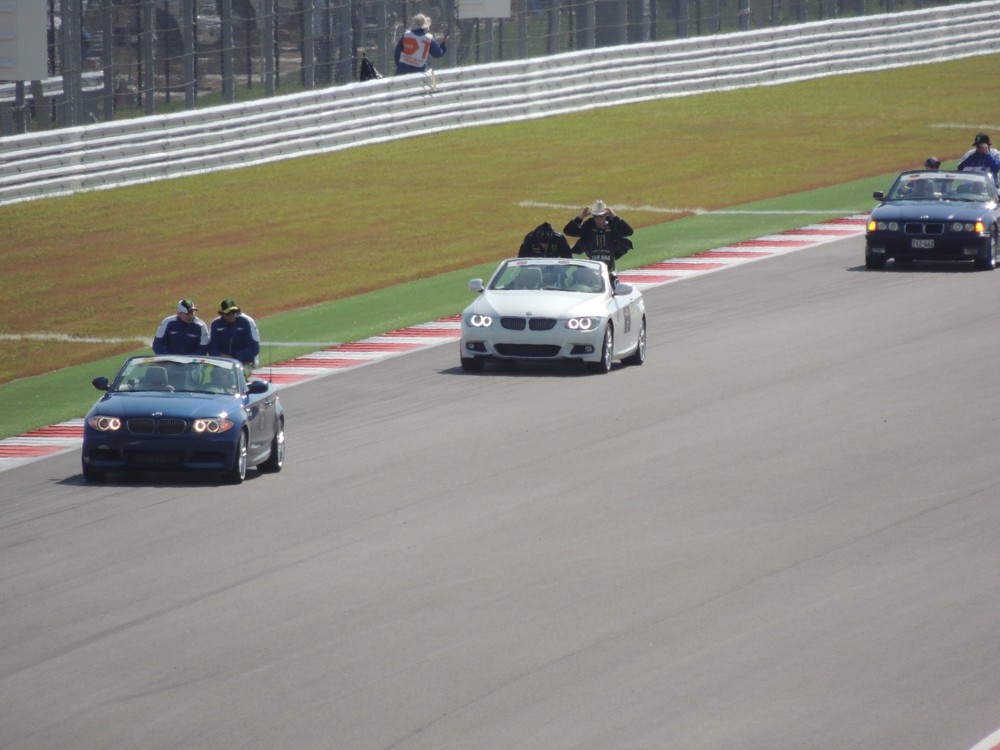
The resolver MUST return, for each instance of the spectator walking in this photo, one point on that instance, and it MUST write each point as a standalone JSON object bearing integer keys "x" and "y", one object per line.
{"x": 182, "y": 333}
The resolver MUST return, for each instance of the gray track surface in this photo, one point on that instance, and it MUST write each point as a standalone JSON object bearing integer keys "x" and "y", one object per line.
{"x": 781, "y": 532}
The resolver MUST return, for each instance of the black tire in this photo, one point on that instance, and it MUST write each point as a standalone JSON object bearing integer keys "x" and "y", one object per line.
{"x": 603, "y": 365}
{"x": 470, "y": 364}
{"x": 276, "y": 461}
{"x": 990, "y": 262}
{"x": 238, "y": 472}
{"x": 639, "y": 356}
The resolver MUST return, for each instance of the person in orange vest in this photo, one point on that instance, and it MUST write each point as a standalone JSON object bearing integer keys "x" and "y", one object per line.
{"x": 417, "y": 45}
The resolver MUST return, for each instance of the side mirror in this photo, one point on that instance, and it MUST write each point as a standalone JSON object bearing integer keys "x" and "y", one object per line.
{"x": 476, "y": 285}
{"x": 100, "y": 383}
{"x": 258, "y": 386}
{"x": 623, "y": 290}
{"x": 878, "y": 195}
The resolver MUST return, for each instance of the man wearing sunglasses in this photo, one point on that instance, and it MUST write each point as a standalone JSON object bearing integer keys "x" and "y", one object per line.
{"x": 234, "y": 334}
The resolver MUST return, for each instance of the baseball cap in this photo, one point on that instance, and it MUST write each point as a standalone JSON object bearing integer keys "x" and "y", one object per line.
{"x": 228, "y": 305}
{"x": 982, "y": 138}
{"x": 186, "y": 306}
{"x": 544, "y": 232}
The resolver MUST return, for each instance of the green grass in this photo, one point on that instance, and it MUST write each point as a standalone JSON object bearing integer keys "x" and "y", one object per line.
{"x": 54, "y": 397}
{"x": 340, "y": 246}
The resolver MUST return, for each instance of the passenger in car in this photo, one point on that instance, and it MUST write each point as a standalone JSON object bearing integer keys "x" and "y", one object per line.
{"x": 182, "y": 333}
{"x": 544, "y": 242}
{"x": 603, "y": 235}
{"x": 234, "y": 334}
{"x": 983, "y": 158}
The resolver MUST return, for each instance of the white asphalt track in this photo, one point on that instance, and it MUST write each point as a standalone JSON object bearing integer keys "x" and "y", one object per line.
{"x": 780, "y": 532}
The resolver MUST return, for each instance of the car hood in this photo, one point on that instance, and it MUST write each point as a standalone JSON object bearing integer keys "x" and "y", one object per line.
{"x": 539, "y": 305}
{"x": 933, "y": 210}
{"x": 181, "y": 405}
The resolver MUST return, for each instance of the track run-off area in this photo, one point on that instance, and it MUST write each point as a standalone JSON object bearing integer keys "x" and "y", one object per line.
{"x": 67, "y": 436}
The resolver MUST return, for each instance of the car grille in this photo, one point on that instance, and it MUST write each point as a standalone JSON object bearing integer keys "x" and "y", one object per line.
{"x": 920, "y": 228}
{"x": 527, "y": 350}
{"x": 534, "y": 324}
{"x": 147, "y": 426}
{"x": 153, "y": 458}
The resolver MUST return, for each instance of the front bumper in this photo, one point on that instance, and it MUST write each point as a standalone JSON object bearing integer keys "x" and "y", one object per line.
{"x": 536, "y": 346}
{"x": 942, "y": 248}
{"x": 109, "y": 452}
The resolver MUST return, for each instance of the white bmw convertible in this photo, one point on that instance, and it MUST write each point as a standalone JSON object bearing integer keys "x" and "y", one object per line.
{"x": 553, "y": 309}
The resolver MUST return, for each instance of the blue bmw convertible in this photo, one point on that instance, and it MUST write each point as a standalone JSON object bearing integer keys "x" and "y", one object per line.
{"x": 174, "y": 412}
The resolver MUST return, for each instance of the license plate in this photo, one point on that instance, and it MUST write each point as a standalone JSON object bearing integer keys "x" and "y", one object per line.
{"x": 922, "y": 244}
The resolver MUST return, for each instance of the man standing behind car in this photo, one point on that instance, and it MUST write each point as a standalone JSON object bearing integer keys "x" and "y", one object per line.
{"x": 234, "y": 334}
{"x": 603, "y": 235}
{"x": 981, "y": 159}
{"x": 544, "y": 242}
{"x": 183, "y": 333}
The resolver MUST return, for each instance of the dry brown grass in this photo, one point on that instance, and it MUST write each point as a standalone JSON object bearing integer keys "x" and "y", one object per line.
{"x": 283, "y": 236}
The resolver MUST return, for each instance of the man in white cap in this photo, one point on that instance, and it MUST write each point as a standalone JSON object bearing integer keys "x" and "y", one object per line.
{"x": 183, "y": 333}
{"x": 603, "y": 235}
{"x": 416, "y": 45}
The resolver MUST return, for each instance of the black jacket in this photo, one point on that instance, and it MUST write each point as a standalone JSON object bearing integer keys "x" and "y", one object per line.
{"x": 544, "y": 242}
{"x": 606, "y": 245}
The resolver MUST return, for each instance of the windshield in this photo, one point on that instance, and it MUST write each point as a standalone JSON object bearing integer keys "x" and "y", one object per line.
{"x": 167, "y": 375}
{"x": 931, "y": 186}
{"x": 563, "y": 277}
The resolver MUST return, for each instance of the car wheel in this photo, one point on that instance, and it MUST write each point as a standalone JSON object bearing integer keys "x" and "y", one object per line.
{"x": 603, "y": 365}
{"x": 238, "y": 473}
{"x": 471, "y": 364}
{"x": 639, "y": 356}
{"x": 276, "y": 460}
{"x": 990, "y": 262}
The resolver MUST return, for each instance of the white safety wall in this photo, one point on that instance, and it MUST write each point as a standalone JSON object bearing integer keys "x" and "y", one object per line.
{"x": 161, "y": 147}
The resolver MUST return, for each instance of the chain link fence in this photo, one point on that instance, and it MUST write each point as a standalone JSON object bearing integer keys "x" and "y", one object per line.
{"x": 112, "y": 59}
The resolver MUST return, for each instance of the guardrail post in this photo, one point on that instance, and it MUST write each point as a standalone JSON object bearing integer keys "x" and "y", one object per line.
{"x": 267, "y": 41}
{"x": 308, "y": 47}
{"x": 147, "y": 79}
{"x": 108, "y": 58}
{"x": 228, "y": 90}
{"x": 187, "y": 46}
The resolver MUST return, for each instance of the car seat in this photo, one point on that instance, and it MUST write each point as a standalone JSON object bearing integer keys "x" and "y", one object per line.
{"x": 155, "y": 379}
{"x": 528, "y": 278}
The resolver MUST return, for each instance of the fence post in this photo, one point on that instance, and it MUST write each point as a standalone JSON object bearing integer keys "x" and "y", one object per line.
{"x": 228, "y": 90}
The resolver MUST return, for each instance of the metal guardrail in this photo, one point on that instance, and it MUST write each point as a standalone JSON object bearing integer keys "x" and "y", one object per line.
{"x": 160, "y": 147}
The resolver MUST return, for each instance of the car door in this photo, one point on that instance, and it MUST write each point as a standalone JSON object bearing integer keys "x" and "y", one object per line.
{"x": 626, "y": 326}
{"x": 260, "y": 409}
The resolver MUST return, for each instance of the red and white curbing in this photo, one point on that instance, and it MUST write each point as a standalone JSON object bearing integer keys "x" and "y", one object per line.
{"x": 66, "y": 436}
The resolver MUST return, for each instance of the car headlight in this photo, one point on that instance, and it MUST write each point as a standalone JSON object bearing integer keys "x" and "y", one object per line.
{"x": 968, "y": 227}
{"x": 105, "y": 424}
{"x": 211, "y": 426}
{"x": 583, "y": 324}
{"x": 476, "y": 320}
{"x": 883, "y": 226}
